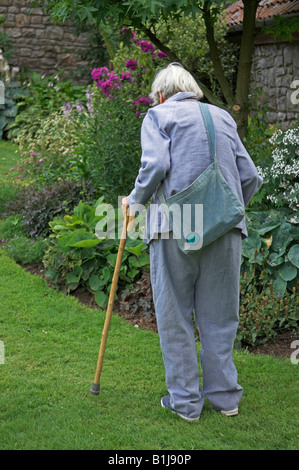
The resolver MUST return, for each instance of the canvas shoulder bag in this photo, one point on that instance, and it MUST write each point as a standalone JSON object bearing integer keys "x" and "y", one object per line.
{"x": 208, "y": 208}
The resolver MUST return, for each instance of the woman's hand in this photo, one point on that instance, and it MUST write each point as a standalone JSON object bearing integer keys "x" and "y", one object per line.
{"x": 125, "y": 205}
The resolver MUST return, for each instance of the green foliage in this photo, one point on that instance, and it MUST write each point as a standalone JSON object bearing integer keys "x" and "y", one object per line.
{"x": 51, "y": 153}
{"x": 283, "y": 28}
{"x": 25, "y": 250}
{"x": 262, "y": 315}
{"x": 194, "y": 50}
{"x": 110, "y": 146}
{"x": 40, "y": 206}
{"x": 6, "y": 44}
{"x": 12, "y": 226}
{"x": 77, "y": 258}
{"x": 42, "y": 96}
{"x": 270, "y": 253}
{"x": 133, "y": 12}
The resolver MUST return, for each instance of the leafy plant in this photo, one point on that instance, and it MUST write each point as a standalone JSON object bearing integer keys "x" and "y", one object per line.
{"x": 40, "y": 206}
{"x": 23, "y": 249}
{"x": 262, "y": 315}
{"x": 41, "y": 97}
{"x": 12, "y": 226}
{"x": 51, "y": 153}
{"x": 110, "y": 146}
{"x": 270, "y": 253}
{"x": 138, "y": 298}
{"x": 77, "y": 258}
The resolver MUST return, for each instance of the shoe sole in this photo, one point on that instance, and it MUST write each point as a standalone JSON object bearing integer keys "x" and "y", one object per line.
{"x": 230, "y": 412}
{"x": 181, "y": 416}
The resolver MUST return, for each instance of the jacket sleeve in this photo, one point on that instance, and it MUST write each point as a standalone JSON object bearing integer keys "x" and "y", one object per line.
{"x": 251, "y": 181}
{"x": 155, "y": 160}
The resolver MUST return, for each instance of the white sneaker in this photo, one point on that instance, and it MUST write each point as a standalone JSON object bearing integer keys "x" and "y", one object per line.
{"x": 233, "y": 412}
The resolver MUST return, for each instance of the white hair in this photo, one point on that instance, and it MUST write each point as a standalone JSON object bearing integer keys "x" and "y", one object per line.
{"x": 171, "y": 80}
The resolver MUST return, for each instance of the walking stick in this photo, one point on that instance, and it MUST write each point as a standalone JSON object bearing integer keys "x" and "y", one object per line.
{"x": 95, "y": 388}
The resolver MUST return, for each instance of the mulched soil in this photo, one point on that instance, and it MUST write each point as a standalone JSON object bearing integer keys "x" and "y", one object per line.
{"x": 279, "y": 347}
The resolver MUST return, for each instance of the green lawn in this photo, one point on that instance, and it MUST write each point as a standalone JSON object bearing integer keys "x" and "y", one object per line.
{"x": 51, "y": 349}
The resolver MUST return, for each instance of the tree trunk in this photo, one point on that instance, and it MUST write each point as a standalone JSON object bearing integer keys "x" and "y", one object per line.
{"x": 240, "y": 109}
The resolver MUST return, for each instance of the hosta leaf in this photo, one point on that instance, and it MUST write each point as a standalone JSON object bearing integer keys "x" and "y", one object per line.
{"x": 101, "y": 298}
{"x": 293, "y": 255}
{"x": 287, "y": 271}
{"x": 95, "y": 283}
{"x": 279, "y": 286}
{"x": 86, "y": 243}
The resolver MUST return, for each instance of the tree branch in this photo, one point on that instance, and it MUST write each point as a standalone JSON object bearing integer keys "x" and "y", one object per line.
{"x": 215, "y": 56}
{"x": 172, "y": 55}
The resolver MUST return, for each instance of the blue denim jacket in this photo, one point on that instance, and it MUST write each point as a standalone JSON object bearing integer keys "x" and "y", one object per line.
{"x": 175, "y": 151}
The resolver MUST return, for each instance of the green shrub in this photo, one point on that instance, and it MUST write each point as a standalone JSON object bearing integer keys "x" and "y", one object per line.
{"x": 77, "y": 258}
{"x": 8, "y": 192}
{"x": 40, "y": 206}
{"x": 50, "y": 154}
{"x": 270, "y": 253}
{"x": 42, "y": 96}
{"x": 110, "y": 150}
{"x": 262, "y": 315}
{"x": 12, "y": 226}
{"x": 25, "y": 250}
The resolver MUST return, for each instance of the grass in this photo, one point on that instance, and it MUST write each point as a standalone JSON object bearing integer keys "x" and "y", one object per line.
{"x": 51, "y": 349}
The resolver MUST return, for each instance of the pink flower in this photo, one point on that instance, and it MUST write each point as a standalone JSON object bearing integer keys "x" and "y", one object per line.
{"x": 132, "y": 64}
{"x": 41, "y": 160}
{"x": 99, "y": 73}
{"x": 11, "y": 169}
{"x": 147, "y": 46}
{"x": 126, "y": 77}
{"x": 162, "y": 55}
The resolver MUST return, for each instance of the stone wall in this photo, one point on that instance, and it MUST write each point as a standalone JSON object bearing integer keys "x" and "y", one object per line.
{"x": 275, "y": 70}
{"x": 40, "y": 45}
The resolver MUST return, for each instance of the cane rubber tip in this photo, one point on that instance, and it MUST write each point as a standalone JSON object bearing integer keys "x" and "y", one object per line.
{"x": 95, "y": 389}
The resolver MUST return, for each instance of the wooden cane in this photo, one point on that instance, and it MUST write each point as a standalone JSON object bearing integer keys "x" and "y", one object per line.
{"x": 95, "y": 388}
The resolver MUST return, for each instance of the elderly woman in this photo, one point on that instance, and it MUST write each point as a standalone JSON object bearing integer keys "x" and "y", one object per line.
{"x": 203, "y": 283}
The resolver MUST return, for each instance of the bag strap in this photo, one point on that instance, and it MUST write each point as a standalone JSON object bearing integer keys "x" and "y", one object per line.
{"x": 208, "y": 122}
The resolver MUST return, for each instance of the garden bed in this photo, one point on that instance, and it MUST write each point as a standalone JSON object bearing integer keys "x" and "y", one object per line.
{"x": 279, "y": 347}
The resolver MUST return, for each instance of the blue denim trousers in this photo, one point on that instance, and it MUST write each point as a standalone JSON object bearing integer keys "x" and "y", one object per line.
{"x": 203, "y": 285}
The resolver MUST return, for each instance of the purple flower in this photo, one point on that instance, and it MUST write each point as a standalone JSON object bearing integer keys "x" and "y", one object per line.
{"x": 142, "y": 101}
{"x": 132, "y": 64}
{"x": 67, "y": 108}
{"x": 110, "y": 85}
{"x": 99, "y": 73}
{"x": 126, "y": 77}
{"x": 147, "y": 46}
{"x": 162, "y": 55}
{"x": 31, "y": 154}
